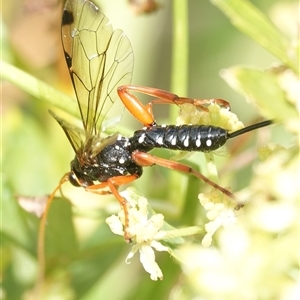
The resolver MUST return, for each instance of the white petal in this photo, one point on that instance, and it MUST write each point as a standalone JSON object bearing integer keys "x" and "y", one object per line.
{"x": 206, "y": 241}
{"x": 115, "y": 225}
{"x": 147, "y": 259}
{"x": 157, "y": 220}
{"x": 158, "y": 246}
{"x": 134, "y": 249}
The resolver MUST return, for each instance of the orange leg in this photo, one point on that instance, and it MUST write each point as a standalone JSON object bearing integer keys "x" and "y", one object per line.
{"x": 112, "y": 183}
{"x": 147, "y": 160}
{"x": 144, "y": 113}
{"x": 41, "y": 237}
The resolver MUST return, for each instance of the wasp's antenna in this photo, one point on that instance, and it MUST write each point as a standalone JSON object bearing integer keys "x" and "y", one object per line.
{"x": 249, "y": 128}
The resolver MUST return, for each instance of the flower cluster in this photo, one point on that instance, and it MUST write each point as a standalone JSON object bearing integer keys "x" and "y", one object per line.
{"x": 216, "y": 115}
{"x": 220, "y": 209}
{"x": 145, "y": 232}
{"x": 220, "y": 212}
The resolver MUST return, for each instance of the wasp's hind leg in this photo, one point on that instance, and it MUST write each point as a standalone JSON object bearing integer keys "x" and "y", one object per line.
{"x": 147, "y": 160}
{"x": 144, "y": 113}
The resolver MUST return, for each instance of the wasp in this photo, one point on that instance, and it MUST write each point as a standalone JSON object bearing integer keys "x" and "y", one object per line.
{"x": 100, "y": 63}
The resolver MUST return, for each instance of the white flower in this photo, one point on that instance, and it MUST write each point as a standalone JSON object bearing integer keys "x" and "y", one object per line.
{"x": 220, "y": 211}
{"x": 144, "y": 232}
{"x": 216, "y": 115}
{"x": 220, "y": 208}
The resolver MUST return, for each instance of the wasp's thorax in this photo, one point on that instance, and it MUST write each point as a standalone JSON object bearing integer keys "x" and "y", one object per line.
{"x": 113, "y": 160}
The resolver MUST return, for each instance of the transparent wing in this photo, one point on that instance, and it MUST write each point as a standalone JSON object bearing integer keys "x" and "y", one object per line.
{"x": 99, "y": 60}
{"x": 74, "y": 134}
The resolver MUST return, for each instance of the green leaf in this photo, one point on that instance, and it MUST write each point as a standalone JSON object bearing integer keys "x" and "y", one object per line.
{"x": 263, "y": 89}
{"x": 148, "y": 290}
{"x": 97, "y": 258}
{"x": 251, "y": 21}
{"x": 61, "y": 242}
{"x": 17, "y": 226}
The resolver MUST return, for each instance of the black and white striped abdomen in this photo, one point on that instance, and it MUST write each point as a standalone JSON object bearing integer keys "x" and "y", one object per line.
{"x": 185, "y": 137}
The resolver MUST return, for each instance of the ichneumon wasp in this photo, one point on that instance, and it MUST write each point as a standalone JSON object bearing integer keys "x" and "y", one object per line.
{"x": 100, "y": 63}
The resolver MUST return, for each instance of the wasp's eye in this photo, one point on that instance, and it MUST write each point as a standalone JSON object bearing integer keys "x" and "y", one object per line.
{"x": 80, "y": 181}
{"x": 73, "y": 179}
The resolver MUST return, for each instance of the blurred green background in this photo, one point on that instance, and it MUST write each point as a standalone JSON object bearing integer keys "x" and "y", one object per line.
{"x": 256, "y": 259}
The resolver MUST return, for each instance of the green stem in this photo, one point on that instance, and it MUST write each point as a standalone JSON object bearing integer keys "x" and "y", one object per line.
{"x": 179, "y": 83}
{"x": 38, "y": 88}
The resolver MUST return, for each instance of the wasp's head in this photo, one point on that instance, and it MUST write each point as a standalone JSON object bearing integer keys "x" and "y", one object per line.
{"x": 80, "y": 176}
